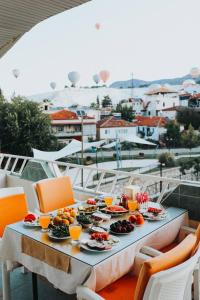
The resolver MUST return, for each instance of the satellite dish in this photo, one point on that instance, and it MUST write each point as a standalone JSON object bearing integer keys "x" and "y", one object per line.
{"x": 53, "y": 85}
{"x": 104, "y": 75}
{"x": 96, "y": 78}
{"x": 74, "y": 77}
{"x": 16, "y": 73}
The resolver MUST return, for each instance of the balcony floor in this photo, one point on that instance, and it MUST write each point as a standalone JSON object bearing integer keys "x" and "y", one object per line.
{"x": 22, "y": 288}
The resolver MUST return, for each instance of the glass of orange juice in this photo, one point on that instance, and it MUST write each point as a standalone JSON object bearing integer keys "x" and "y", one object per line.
{"x": 75, "y": 232}
{"x": 108, "y": 200}
{"x": 132, "y": 205}
{"x": 44, "y": 221}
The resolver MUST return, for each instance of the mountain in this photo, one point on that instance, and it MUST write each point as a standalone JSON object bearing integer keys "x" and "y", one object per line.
{"x": 142, "y": 83}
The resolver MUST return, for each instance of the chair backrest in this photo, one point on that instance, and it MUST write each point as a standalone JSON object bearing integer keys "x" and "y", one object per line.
{"x": 174, "y": 283}
{"x": 54, "y": 193}
{"x": 13, "y": 206}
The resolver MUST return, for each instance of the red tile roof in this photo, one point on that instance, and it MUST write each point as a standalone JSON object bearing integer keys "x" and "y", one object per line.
{"x": 161, "y": 90}
{"x": 64, "y": 115}
{"x": 113, "y": 122}
{"x": 150, "y": 121}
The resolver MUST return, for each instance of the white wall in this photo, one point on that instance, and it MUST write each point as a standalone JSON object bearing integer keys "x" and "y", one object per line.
{"x": 113, "y": 132}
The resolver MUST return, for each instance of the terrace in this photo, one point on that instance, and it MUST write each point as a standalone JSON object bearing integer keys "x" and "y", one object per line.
{"x": 25, "y": 171}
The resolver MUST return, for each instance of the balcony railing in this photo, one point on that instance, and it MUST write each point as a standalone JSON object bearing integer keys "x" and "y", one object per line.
{"x": 97, "y": 181}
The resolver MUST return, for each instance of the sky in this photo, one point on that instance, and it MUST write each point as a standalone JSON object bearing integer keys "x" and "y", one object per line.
{"x": 152, "y": 39}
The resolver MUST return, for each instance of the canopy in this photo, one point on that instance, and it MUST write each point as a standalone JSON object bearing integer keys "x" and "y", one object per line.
{"x": 19, "y": 16}
{"x": 131, "y": 139}
{"x": 73, "y": 147}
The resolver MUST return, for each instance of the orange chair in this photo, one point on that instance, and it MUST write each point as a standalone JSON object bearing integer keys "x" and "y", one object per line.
{"x": 54, "y": 193}
{"x": 13, "y": 206}
{"x": 131, "y": 287}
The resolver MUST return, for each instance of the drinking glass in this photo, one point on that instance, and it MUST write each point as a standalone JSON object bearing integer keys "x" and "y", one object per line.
{"x": 108, "y": 200}
{"x": 132, "y": 205}
{"x": 75, "y": 232}
{"x": 44, "y": 221}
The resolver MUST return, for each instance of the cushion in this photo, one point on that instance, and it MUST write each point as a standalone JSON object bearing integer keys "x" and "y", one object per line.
{"x": 121, "y": 289}
{"x": 54, "y": 193}
{"x": 167, "y": 260}
{"x": 12, "y": 209}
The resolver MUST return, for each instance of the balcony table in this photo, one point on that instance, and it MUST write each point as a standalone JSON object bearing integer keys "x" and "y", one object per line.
{"x": 95, "y": 270}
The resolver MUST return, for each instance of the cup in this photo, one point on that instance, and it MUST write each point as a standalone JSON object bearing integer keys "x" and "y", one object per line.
{"x": 132, "y": 205}
{"x": 75, "y": 232}
{"x": 44, "y": 221}
{"x": 108, "y": 200}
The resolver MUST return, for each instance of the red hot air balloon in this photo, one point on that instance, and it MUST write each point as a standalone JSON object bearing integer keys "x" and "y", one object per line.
{"x": 104, "y": 75}
{"x": 97, "y": 26}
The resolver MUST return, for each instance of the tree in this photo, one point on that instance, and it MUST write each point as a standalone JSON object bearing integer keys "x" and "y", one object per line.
{"x": 172, "y": 136}
{"x": 166, "y": 159}
{"x": 190, "y": 138}
{"x": 187, "y": 116}
{"x": 24, "y": 126}
{"x": 126, "y": 112}
{"x": 98, "y": 102}
{"x": 106, "y": 102}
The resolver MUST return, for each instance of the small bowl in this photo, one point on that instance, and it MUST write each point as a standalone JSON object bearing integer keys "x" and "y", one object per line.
{"x": 86, "y": 225}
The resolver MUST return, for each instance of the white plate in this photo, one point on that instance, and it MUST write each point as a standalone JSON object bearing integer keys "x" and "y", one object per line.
{"x": 58, "y": 238}
{"x": 85, "y": 247}
{"x": 120, "y": 233}
{"x": 31, "y": 224}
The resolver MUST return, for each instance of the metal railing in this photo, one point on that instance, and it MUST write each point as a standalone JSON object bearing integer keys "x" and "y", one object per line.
{"x": 96, "y": 180}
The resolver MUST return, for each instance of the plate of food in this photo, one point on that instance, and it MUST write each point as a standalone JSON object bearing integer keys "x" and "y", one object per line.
{"x": 99, "y": 237}
{"x": 84, "y": 220}
{"x": 115, "y": 209}
{"x": 155, "y": 213}
{"x": 121, "y": 227}
{"x": 95, "y": 246}
{"x": 60, "y": 232}
{"x": 87, "y": 209}
{"x": 98, "y": 229}
{"x": 31, "y": 220}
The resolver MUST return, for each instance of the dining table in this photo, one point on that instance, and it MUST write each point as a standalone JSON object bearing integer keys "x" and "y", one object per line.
{"x": 95, "y": 270}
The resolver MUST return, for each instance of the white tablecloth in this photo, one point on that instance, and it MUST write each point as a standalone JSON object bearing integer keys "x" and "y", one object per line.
{"x": 98, "y": 276}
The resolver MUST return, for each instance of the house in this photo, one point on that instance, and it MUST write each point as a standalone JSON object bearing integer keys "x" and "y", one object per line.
{"x": 111, "y": 127}
{"x": 160, "y": 98}
{"x": 150, "y": 127}
{"x": 67, "y": 125}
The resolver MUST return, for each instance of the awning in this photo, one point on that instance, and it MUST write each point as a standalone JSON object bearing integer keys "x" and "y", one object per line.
{"x": 72, "y": 148}
{"x": 131, "y": 139}
{"x": 19, "y": 16}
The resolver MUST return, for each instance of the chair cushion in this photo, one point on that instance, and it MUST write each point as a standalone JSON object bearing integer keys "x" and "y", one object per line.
{"x": 167, "y": 260}
{"x": 121, "y": 289}
{"x": 54, "y": 193}
{"x": 12, "y": 209}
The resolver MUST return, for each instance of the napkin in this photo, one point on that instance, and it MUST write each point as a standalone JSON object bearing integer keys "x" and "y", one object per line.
{"x": 44, "y": 253}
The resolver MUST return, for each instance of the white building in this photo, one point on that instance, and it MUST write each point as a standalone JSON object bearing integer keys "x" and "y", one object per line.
{"x": 150, "y": 127}
{"x": 110, "y": 128}
{"x": 160, "y": 98}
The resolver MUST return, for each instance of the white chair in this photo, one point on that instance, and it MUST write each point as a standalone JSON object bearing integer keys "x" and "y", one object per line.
{"x": 172, "y": 284}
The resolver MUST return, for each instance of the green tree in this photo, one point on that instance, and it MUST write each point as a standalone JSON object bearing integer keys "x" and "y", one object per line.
{"x": 106, "y": 102}
{"x": 126, "y": 112}
{"x": 24, "y": 126}
{"x": 172, "y": 136}
{"x": 187, "y": 116}
{"x": 98, "y": 102}
{"x": 166, "y": 159}
{"x": 190, "y": 138}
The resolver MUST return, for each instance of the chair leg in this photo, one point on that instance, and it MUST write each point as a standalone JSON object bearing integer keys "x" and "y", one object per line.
{"x": 196, "y": 284}
{"x": 34, "y": 286}
{"x": 6, "y": 282}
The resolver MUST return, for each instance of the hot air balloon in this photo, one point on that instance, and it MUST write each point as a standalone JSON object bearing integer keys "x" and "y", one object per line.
{"x": 195, "y": 72}
{"x": 104, "y": 75}
{"x": 15, "y": 73}
{"x": 96, "y": 78}
{"x": 74, "y": 77}
{"x": 97, "y": 26}
{"x": 53, "y": 85}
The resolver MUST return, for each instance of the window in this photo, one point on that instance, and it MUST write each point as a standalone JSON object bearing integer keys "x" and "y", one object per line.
{"x": 107, "y": 131}
{"x": 149, "y": 113}
{"x": 60, "y": 128}
{"x": 163, "y": 104}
